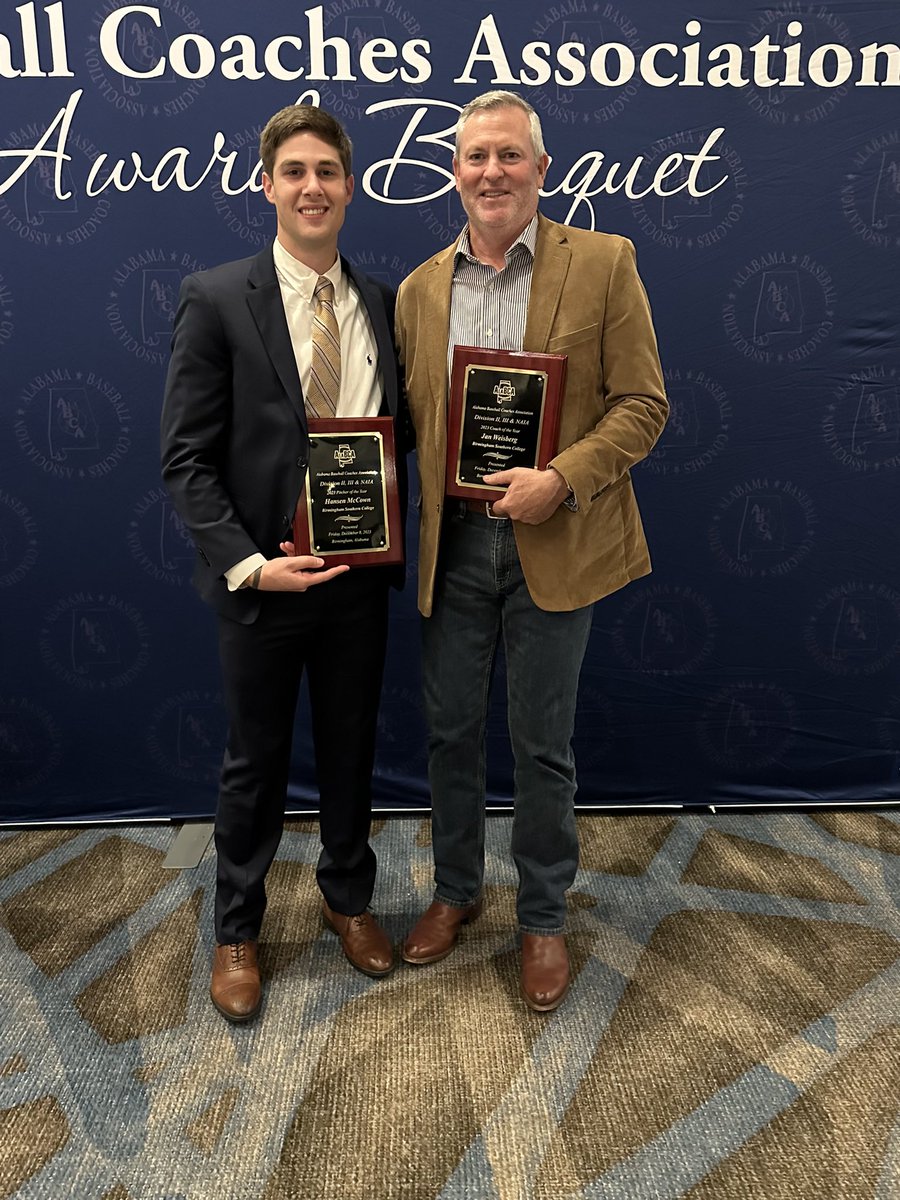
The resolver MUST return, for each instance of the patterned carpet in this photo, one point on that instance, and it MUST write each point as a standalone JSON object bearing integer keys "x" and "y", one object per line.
{"x": 733, "y": 1030}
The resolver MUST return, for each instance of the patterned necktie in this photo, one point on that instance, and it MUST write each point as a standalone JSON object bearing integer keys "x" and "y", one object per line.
{"x": 325, "y": 376}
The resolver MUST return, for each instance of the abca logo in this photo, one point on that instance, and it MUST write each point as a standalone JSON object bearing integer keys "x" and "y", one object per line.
{"x": 33, "y": 211}
{"x": 187, "y": 736}
{"x": 94, "y": 643}
{"x": 855, "y": 629}
{"x": 780, "y": 308}
{"x": 73, "y": 425}
{"x": 143, "y": 300}
{"x": 248, "y": 214}
{"x": 29, "y": 744}
{"x": 159, "y": 540}
{"x": 143, "y": 35}
{"x": 748, "y": 725}
{"x": 18, "y": 540}
{"x": 763, "y": 528}
{"x": 870, "y": 199}
{"x": 665, "y": 630}
{"x": 862, "y": 425}
{"x": 697, "y": 429}
{"x": 684, "y": 221}
{"x": 590, "y": 26}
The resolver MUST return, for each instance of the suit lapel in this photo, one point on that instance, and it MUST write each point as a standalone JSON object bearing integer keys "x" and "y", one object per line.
{"x": 551, "y": 265}
{"x": 265, "y": 303}
{"x": 439, "y": 285}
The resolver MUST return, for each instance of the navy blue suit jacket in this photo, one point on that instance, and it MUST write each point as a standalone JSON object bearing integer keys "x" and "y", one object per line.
{"x": 234, "y": 436}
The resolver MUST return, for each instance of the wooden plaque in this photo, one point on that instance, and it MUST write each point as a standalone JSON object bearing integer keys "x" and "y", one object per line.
{"x": 349, "y": 509}
{"x": 504, "y": 413}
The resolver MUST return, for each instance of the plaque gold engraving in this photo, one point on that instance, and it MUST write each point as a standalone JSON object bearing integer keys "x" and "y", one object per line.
{"x": 349, "y": 509}
{"x": 504, "y": 413}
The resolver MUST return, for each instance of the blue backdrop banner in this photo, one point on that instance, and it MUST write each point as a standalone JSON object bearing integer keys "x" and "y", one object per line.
{"x": 753, "y": 156}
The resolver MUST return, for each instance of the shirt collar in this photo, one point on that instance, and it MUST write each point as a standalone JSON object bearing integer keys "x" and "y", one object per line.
{"x": 527, "y": 238}
{"x": 300, "y": 278}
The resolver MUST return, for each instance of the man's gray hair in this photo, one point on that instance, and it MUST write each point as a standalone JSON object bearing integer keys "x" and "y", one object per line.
{"x": 500, "y": 99}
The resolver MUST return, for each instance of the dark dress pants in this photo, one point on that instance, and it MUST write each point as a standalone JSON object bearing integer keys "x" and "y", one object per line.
{"x": 336, "y": 632}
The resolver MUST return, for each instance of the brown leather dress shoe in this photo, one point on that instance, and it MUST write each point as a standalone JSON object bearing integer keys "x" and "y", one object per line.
{"x": 545, "y": 971}
{"x": 363, "y": 941}
{"x": 235, "y": 989}
{"x": 436, "y": 932}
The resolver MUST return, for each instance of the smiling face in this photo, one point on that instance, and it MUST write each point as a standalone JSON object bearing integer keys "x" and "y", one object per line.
{"x": 310, "y": 193}
{"x": 497, "y": 174}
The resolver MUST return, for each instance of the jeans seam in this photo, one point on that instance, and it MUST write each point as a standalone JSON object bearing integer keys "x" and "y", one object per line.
{"x": 482, "y": 774}
{"x": 502, "y": 571}
{"x": 485, "y": 702}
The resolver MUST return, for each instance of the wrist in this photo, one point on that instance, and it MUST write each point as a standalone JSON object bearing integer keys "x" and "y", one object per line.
{"x": 564, "y": 494}
{"x": 252, "y": 580}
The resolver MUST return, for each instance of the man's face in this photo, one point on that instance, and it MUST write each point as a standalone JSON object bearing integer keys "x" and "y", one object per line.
{"x": 497, "y": 175}
{"x": 310, "y": 192}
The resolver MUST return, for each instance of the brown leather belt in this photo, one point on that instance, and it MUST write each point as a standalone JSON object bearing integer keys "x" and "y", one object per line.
{"x": 482, "y": 508}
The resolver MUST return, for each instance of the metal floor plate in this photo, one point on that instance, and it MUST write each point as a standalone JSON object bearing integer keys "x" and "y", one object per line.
{"x": 189, "y": 846}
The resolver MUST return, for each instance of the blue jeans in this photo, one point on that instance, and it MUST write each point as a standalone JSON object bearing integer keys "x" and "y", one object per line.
{"x": 480, "y": 593}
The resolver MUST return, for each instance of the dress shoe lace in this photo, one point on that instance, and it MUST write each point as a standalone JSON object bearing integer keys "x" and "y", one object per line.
{"x": 238, "y": 954}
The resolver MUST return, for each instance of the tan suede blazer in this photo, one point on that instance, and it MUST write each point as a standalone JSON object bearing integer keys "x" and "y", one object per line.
{"x": 587, "y": 301}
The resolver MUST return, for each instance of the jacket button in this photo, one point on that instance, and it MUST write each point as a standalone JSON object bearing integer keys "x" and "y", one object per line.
{"x": 301, "y": 462}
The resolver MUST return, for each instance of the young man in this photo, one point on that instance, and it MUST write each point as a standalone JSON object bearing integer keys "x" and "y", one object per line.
{"x": 530, "y": 566}
{"x": 259, "y": 346}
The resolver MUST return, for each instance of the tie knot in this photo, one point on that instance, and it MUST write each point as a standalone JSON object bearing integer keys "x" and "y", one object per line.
{"x": 324, "y": 290}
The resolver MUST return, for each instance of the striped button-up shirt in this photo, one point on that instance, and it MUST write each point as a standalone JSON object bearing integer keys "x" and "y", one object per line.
{"x": 488, "y": 308}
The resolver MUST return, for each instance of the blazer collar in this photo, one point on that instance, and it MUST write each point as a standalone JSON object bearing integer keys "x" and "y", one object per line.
{"x": 264, "y": 300}
{"x": 262, "y": 269}
{"x": 552, "y": 256}
{"x": 438, "y": 284}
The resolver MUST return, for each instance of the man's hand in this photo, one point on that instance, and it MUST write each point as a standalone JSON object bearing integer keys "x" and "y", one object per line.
{"x": 293, "y": 573}
{"x": 531, "y": 496}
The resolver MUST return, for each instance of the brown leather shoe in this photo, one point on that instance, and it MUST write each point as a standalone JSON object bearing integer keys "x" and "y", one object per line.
{"x": 363, "y": 941}
{"x": 235, "y": 989}
{"x": 545, "y": 970}
{"x": 436, "y": 932}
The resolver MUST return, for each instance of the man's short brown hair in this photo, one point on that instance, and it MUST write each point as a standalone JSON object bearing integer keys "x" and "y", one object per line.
{"x": 303, "y": 118}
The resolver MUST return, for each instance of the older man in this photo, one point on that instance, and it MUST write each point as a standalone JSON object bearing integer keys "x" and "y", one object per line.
{"x": 529, "y": 567}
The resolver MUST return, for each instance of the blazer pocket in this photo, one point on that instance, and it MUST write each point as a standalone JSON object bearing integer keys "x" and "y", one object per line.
{"x": 565, "y": 341}
{"x": 612, "y": 487}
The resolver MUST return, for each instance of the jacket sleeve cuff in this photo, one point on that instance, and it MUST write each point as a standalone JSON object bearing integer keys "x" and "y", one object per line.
{"x": 236, "y": 575}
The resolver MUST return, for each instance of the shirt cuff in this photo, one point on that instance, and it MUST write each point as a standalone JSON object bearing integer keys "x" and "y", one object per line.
{"x": 236, "y": 575}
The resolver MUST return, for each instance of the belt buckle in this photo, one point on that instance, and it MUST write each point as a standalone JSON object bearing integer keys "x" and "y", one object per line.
{"x": 488, "y": 512}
